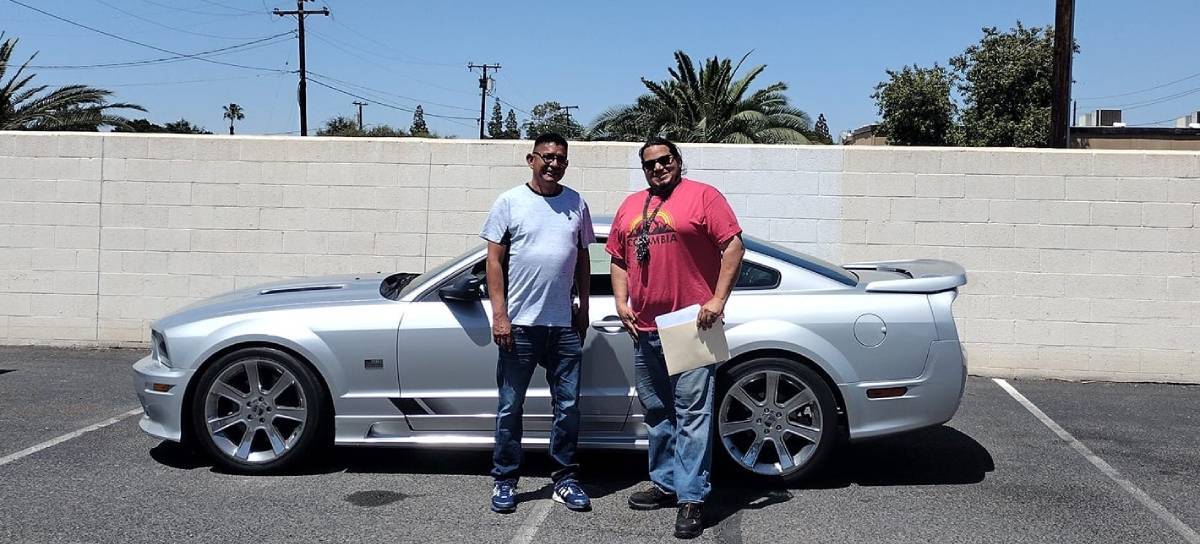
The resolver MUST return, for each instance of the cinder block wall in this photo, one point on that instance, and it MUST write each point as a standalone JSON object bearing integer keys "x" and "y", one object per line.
{"x": 1082, "y": 264}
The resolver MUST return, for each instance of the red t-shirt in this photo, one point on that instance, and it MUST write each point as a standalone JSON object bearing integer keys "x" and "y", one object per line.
{"x": 685, "y": 252}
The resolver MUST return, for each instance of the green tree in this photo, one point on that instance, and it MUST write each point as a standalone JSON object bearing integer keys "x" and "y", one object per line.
{"x": 183, "y": 126}
{"x": 820, "y": 132}
{"x": 512, "y": 131}
{"x": 347, "y": 126}
{"x": 233, "y": 112}
{"x": 551, "y": 117}
{"x": 1006, "y": 82}
{"x": 36, "y": 107}
{"x": 707, "y": 106}
{"x": 915, "y": 106}
{"x": 495, "y": 126}
{"x": 419, "y": 129}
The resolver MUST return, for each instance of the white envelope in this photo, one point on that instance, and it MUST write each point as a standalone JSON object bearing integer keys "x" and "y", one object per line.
{"x": 685, "y": 345}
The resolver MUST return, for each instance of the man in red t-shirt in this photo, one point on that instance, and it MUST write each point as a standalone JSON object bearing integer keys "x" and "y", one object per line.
{"x": 673, "y": 245}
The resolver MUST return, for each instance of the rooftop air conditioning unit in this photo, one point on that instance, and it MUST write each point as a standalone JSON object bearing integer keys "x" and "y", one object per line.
{"x": 1107, "y": 118}
{"x": 1086, "y": 120}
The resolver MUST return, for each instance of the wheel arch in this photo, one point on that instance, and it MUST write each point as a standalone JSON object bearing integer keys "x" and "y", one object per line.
{"x": 779, "y": 353}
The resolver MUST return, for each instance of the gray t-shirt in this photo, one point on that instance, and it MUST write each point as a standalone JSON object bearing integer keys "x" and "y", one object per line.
{"x": 544, "y": 235}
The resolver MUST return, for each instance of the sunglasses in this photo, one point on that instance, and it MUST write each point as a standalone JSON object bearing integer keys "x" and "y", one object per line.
{"x": 549, "y": 158}
{"x": 663, "y": 161}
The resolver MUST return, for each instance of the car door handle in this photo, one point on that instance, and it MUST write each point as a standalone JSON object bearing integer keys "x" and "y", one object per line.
{"x": 611, "y": 324}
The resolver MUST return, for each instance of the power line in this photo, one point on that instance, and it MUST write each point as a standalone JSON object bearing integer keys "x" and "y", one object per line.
{"x": 212, "y": 52}
{"x": 135, "y": 42}
{"x": 197, "y": 12}
{"x": 169, "y": 27}
{"x": 385, "y": 93}
{"x": 321, "y": 37}
{"x": 450, "y": 118}
{"x": 300, "y": 14}
{"x": 183, "y": 82}
{"x": 483, "y": 89}
{"x": 377, "y": 42}
{"x": 514, "y": 106}
{"x": 1159, "y": 100}
{"x": 1140, "y": 91}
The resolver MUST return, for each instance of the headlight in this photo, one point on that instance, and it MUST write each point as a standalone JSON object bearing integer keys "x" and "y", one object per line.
{"x": 158, "y": 348}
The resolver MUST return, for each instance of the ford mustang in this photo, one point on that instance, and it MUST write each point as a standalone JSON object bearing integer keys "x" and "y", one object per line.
{"x": 262, "y": 377}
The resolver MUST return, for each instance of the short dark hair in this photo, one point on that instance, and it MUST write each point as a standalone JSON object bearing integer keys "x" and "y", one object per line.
{"x": 658, "y": 140}
{"x": 550, "y": 138}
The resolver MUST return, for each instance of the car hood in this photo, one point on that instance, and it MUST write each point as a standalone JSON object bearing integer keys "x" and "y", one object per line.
{"x": 280, "y": 294}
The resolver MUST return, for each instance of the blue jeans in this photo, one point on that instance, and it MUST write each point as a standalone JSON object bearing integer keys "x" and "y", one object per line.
{"x": 558, "y": 350}
{"x": 678, "y": 411}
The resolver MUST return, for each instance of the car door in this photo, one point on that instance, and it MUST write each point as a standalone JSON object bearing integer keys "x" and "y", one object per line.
{"x": 447, "y": 365}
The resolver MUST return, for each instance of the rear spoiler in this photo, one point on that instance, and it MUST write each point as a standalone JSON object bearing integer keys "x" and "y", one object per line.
{"x": 926, "y": 275}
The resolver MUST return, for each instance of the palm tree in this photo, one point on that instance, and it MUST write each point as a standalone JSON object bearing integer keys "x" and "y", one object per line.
{"x": 72, "y": 107}
{"x": 233, "y": 112}
{"x": 707, "y": 107}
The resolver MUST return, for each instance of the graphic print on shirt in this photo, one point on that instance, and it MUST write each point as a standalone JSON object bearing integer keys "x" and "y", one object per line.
{"x": 662, "y": 229}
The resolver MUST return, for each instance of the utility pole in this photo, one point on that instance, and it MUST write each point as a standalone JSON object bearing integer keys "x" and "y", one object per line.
{"x": 483, "y": 89}
{"x": 360, "y": 107}
{"x": 567, "y": 110}
{"x": 1064, "y": 42}
{"x": 300, "y": 13}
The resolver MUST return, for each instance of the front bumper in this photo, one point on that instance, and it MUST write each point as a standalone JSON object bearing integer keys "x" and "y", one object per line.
{"x": 163, "y": 410}
{"x": 932, "y": 398}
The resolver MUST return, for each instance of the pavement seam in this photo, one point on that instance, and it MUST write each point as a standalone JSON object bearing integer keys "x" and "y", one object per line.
{"x": 73, "y": 434}
{"x": 530, "y": 526}
{"x": 1159, "y": 510}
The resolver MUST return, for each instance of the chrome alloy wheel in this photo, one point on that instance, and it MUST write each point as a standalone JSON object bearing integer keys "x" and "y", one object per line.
{"x": 255, "y": 411}
{"x": 770, "y": 422}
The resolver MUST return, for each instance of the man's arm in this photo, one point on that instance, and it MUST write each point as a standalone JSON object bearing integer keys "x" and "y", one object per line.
{"x": 731, "y": 262}
{"x": 620, "y": 285}
{"x": 583, "y": 285}
{"x": 501, "y": 326}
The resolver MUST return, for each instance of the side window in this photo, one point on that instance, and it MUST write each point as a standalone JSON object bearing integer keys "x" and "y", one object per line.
{"x": 601, "y": 277}
{"x": 756, "y": 276}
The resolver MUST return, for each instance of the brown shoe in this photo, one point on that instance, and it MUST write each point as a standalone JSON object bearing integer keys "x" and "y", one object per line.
{"x": 651, "y": 498}
{"x": 689, "y": 522}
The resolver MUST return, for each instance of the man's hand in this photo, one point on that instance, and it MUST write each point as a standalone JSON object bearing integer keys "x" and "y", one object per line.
{"x": 710, "y": 312}
{"x": 502, "y": 332}
{"x": 581, "y": 322}
{"x": 628, "y": 318}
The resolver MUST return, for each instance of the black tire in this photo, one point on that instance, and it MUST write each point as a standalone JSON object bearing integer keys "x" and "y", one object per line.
{"x": 277, "y": 441}
{"x": 730, "y": 414}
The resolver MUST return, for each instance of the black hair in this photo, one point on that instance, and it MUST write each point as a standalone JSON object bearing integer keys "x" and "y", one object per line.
{"x": 550, "y": 138}
{"x": 658, "y": 140}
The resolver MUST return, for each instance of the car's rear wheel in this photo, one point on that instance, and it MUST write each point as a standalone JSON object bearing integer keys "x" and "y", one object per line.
{"x": 776, "y": 418}
{"x": 258, "y": 410}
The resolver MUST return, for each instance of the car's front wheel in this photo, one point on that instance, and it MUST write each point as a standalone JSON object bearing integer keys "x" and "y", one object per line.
{"x": 776, "y": 418}
{"x": 257, "y": 410}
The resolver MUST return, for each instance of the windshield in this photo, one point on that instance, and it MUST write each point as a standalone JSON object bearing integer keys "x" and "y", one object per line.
{"x": 807, "y": 262}
{"x": 434, "y": 272}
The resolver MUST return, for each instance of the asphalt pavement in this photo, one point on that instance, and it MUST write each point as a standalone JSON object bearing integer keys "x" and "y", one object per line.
{"x": 995, "y": 473}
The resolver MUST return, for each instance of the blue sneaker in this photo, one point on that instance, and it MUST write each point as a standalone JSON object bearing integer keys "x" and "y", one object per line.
{"x": 504, "y": 497}
{"x": 570, "y": 494}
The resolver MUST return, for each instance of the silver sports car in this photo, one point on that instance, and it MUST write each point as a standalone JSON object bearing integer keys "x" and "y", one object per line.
{"x": 259, "y": 378}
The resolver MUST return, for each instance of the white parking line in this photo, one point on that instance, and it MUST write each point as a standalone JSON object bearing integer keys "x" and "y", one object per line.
{"x": 1180, "y": 527}
{"x": 530, "y": 526}
{"x": 73, "y": 434}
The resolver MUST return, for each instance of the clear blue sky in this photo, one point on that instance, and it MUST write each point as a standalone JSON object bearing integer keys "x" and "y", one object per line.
{"x": 589, "y": 54}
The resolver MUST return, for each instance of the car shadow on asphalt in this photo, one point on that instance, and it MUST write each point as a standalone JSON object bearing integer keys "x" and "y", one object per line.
{"x": 938, "y": 455}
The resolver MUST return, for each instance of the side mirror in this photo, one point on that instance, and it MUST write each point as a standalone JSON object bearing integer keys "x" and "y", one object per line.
{"x": 464, "y": 289}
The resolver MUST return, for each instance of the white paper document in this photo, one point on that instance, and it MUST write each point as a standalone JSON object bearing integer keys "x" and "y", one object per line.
{"x": 685, "y": 345}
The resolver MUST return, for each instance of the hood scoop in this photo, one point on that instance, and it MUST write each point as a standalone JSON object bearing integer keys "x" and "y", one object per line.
{"x": 301, "y": 288}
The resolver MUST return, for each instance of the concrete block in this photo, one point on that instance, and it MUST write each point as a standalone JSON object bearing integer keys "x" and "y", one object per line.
{"x": 449, "y": 245}
{"x": 31, "y": 190}
{"x": 61, "y": 305}
{"x": 1038, "y": 284}
{"x": 35, "y": 144}
{"x": 1116, "y": 262}
{"x": 1171, "y": 165}
{"x": 69, "y": 237}
{"x": 125, "y": 146}
{"x": 351, "y": 243}
{"x": 303, "y": 242}
{"x": 124, "y": 192}
{"x": 1090, "y": 188}
{"x": 258, "y": 241}
{"x": 966, "y": 210}
{"x": 15, "y": 303}
{"x": 281, "y": 265}
{"x": 168, "y": 240}
{"x": 168, "y": 147}
{"x": 122, "y": 238}
{"x": 1065, "y": 162}
{"x": 507, "y": 177}
{"x": 830, "y": 184}
{"x": 1184, "y": 288}
{"x": 73, "y": 282}
{"x": 726, "y": 158}
{"x": 230, "y": 172}
{"x": 770, "y": 159}
{"x": 915, "y": 209}
{"x": 1168, "y": 215}
{"x": 147, "y": 170}
{"x": 77, "y": 191}
{"x": 793, "y": 230}
{"x": 1067, "y": 261}
{"x": 457, "y": 223}
{"x": 17, "y": 168}
{"x": 67, "y": 169}
{"x": 1183, "y": 240}
{"x": 458, "y": 177}
{"x": 1184, "y": 191}
{"x": 408, "y": 221}
{"x": 940, "y": 185}
{"x": 25, "y": 281}
{"x": 1064, "y": 212}
{"x": 16, "y": 258}
{"x": 164, "y": 285}
{"x": 1117, "y": 213}
{"x": 284, "y": 173}
{"x": 1041, "y": 236}
{"x": 1014, "y": 259}
{"x": 31, "y": 236}
{"x": 820, "y": 159}
{"x": 191, "y": 263}
{"x": 1040, "y": 187}
{"x": 400, "y": 244}
{"x": 988, "y": 234}
{"x": 33, "y": 329}
{"x": 1110, "y": 286}
{"x": 373, "y": 221}
{"x": 1142, "y": 239}
{"x": 891, "y": 232}
{"x": 1142, "y": 189}
{"x": 939, "y": 234}
{"x": 989, "y": 186}
{"x": 169, "y": 193}
{"x": 52, "y": 259}
{"x": 213, "y": 240}
{"x": 1091, "y": 237}
{"x": 190, "y": 217}
{"x": 217, "y": 148}
{"x": 255, "y": 195}
{"x": 1118, "y": 163}
{"x": 987, "y": 330}
{"x": 865, "y": 208}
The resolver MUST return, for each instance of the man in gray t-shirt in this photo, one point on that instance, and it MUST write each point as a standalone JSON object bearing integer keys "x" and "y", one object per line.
{"x": 538, "y": 235}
